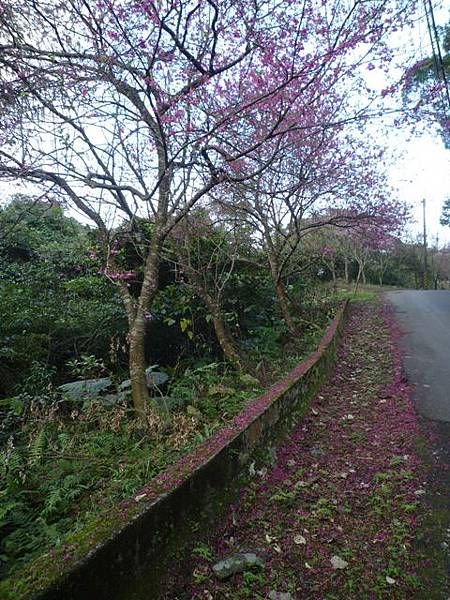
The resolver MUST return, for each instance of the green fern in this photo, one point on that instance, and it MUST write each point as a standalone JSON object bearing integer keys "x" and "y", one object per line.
{"x": 37, "y": 448}
{"x": 65, "y": 441}
{"x": 14, "y": 462}
{"x": 52, "y": 502}
{"x": 6, "y": 507}
{"x": 3, "y": 464}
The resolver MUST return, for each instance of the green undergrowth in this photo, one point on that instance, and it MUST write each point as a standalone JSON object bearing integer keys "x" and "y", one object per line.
{"x": 68, "y": 463}
{"x": 363, "y": 293}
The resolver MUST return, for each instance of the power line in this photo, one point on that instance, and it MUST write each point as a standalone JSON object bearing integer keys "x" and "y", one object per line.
{"x": 425, "y": 250}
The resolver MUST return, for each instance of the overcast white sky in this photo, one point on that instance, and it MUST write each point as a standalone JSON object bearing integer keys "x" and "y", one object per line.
{"x": 424, "y": 172}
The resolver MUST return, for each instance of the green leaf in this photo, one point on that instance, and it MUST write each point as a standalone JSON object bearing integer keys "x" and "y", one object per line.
{"x": 184, "y": 324}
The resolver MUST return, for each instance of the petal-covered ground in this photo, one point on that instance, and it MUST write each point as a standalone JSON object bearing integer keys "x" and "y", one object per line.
{"x": 336, "y": 516}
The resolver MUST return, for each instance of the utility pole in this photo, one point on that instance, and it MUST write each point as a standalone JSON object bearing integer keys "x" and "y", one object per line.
{"x": 425, "y": 252}
{"x": 434, "y": 268}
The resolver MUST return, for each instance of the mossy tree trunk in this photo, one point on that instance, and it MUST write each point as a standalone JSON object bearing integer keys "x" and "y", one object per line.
{"x": 213, "y": 304}
{"x": 224, "y": 336}
{"x": 285, "y": 310}
{"x": 137, "y": 311}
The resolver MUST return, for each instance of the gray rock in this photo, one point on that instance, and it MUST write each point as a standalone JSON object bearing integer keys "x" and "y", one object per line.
{"x": 236, "y": 564}
{"x": 79, "y": 390}
{"x": 317, "y": 451}
{"x": 338, "y": 563}
{"x": 273, "y": 595}
{"x": 124, "y": 386}
{"x": 113, "y": 399}
{"x": 155, "y": 378}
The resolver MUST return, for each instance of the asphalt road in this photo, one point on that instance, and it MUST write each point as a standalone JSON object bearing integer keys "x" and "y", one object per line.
{"x": 424, "y": 317}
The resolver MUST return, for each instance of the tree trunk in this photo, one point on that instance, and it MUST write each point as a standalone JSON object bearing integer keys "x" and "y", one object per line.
{"x": 333, "y": 275}
{"x": 226, "y": 341}
{"x": 139, "y": 390}
{"x": 358, "y": 277}
{"x": 382, "y": 274}
{"x": 136, "y": 311}
{"x": 284, "y": 306}
{"x": 346, "y": 269}
{"x": 213, "y": 304}
{"x": 280, "y": 289}
{"x": 223, "y": 334}
{"x": 363, "y": 276}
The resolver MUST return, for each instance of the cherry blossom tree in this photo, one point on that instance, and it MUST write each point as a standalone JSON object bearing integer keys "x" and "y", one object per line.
{"x": 322, "y": 179}
{"x": 374, "y": 240}
{"x": 134, "y": 109}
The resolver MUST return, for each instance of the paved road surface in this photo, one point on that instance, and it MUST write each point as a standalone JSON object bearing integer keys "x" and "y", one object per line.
{"x": 425, "y": 319}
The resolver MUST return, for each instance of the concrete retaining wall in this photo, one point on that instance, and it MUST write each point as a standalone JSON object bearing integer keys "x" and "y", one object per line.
{"x": 141, "y": 536}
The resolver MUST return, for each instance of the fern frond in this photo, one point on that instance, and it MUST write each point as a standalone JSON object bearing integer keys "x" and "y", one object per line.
{"x": 37, "y": 447}
{"x": 52, "y": 502}
{"x": 14, "y": 461}
{"x": 65, "y": 441}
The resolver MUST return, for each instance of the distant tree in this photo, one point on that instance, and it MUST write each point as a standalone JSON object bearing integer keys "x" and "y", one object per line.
{"x": 315, "y": 182}
{"x": 441, "y": 266}
{"x": 31, "y": 227}
{"x": 445, "y": 215}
